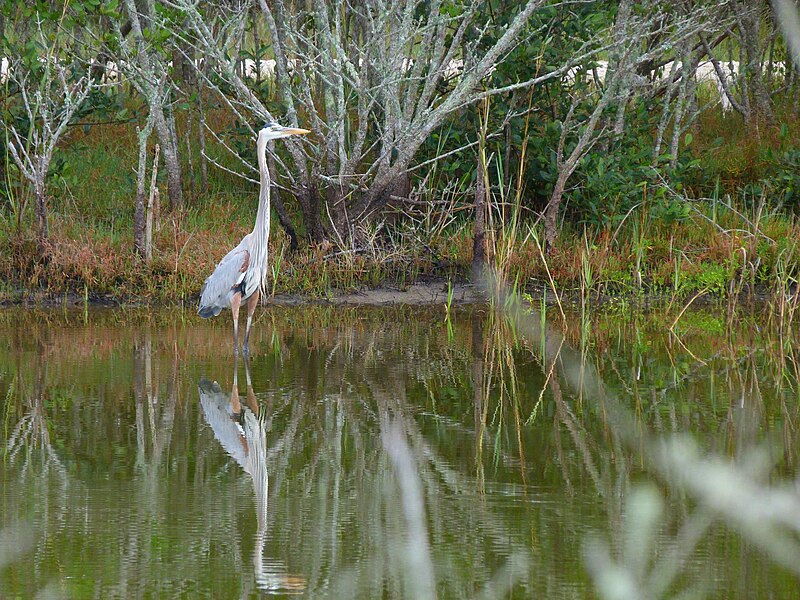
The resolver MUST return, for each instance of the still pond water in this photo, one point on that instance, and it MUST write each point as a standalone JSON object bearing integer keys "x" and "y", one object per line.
{"x": 380, "y": 453}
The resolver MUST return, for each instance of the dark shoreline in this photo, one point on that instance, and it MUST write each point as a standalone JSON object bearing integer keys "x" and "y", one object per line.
{"x": 431, "y": 292}
{"x": 434, "y": 292}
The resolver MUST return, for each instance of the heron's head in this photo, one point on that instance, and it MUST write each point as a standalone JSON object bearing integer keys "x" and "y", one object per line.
{"x": 273, "y": 131}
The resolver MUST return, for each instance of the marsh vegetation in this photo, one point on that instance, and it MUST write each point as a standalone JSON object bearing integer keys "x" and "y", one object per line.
{"x": 594, "y": 148}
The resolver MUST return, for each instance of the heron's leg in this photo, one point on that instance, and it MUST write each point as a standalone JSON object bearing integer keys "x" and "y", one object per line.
{"x": 252, "y": 302}
{"x": 236, "y": 405}
{"x": 251, "y": 396}
{"x": 236, "y": 302}
{"x": 247, "y": 374}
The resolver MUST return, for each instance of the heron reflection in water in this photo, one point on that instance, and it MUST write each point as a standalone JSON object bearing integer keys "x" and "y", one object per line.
{"x": 242, "y": 432}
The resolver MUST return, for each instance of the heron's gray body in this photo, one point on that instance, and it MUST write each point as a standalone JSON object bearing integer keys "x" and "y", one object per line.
{"x": 230, "y": 277}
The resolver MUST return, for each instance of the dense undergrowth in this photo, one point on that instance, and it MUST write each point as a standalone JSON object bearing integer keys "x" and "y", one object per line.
{"x": 728, "y": 226}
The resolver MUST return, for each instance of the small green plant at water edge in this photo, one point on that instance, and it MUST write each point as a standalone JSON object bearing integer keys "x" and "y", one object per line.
{"x": 713, "y": 278}
{"x": 640, "y": 247}
{"x": 587, "y": 272}
{"x": 449, "y": 301}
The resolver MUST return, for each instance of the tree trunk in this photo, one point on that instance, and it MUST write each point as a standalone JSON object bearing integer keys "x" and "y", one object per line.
{"x": 567, "y": 167}
{"x": 201, "y": 132}
{"x": 551, "y": 210}
{"x": 152, "y": 200}
{"x": 672, "y": 85}
{"x": 622, "y": 68}
{"x": 308, "y": 197}
{"x": 171, "y": 160}
{"x": 338, "y": 218}
{"x": 182, "y": 65}
{"x": 283, "y": 217}
{"x": 760, "y": 101}
{"x": 40, "y": 197}
{"x": 139, "y": 221}
{"x": 173, "y": 138}
{"x": 189, "y": 159}
{"x": 138, "y": 215}
{"x": 687, "y": 90}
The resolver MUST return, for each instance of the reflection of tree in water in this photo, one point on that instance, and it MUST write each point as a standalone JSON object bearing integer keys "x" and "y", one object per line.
{"x": 111, "y": 432}
{"x": 354, "y": 382}
{"x": 30, "y": 450}
{"x": 29, "y": 442}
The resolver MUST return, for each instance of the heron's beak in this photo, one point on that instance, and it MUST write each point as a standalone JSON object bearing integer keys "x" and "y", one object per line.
{"x": 295, "y": 131}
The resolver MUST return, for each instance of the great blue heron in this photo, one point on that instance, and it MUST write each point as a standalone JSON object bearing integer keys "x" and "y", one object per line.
{"x": 241, "y": 274}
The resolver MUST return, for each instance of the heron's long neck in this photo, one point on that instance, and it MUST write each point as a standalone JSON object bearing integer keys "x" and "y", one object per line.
{"x": 260, "y": 235}
{"x": 262, "y": 217}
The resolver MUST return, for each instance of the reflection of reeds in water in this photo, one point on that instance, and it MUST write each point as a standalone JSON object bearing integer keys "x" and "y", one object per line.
{"x": 422, "y": 508}
{"x": 641, "y": 561}
{"x": 498, "y": 381}
{"x": 785, "y": 300}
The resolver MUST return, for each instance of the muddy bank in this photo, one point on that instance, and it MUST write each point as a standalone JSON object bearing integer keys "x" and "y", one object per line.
{"x": 419, "y": 294}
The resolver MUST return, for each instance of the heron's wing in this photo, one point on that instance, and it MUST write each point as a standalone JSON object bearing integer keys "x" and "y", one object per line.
{"x": 218, "y": 414}
{"x": 219, "y": 287}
